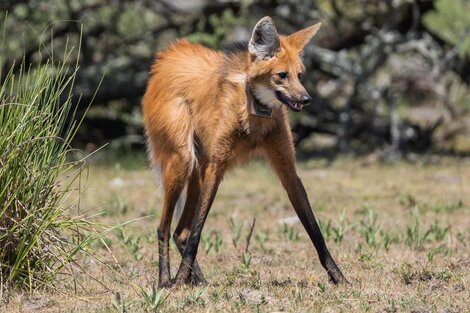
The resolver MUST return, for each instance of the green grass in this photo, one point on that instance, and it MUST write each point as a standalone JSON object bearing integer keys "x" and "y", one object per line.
{"x": 40, "y": 238}
{"x": 398, "y": 255}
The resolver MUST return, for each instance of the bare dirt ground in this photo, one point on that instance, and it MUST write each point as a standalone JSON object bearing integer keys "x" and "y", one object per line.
{"x": 400, "y": 233}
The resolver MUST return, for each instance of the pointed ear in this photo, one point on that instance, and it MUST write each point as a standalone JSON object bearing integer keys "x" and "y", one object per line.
{"x": 301, "y": 38}
{"x": 264, "y": 42}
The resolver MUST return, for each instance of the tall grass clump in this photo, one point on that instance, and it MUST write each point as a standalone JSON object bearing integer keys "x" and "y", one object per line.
{"x": 39, "y": 237}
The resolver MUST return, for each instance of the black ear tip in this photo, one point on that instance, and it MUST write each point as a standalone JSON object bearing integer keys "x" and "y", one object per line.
{"x": 264, "y": 41}
{"x": 265, "y": 22}
{"x": 266, "y": 19}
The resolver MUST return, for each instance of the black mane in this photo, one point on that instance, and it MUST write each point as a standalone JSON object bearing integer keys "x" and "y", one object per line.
{"x": 236, "y": 47}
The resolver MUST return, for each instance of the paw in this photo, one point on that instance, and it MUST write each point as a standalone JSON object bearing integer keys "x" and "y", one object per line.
{"x": 337, "y": 279}
{"x": 165, "y": 284}
{"x": 196, "y": 280}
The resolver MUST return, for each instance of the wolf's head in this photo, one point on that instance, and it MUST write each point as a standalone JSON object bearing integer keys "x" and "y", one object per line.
{"x": 276, "y": 67}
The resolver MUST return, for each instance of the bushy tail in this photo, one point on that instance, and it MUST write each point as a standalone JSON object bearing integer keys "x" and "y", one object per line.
{"x": 180, "y": 205}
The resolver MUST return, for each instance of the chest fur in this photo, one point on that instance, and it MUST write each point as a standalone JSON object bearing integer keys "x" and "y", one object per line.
{"x": 250, "y": 137}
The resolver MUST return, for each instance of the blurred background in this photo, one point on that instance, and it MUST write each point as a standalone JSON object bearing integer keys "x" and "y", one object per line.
{"x": 389, "y": 77}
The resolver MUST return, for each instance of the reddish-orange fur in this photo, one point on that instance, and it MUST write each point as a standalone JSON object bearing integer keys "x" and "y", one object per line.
{"x": 198, "y": 125}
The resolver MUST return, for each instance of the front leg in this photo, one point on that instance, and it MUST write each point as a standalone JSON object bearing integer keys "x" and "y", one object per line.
{"x": 280, "y": 153}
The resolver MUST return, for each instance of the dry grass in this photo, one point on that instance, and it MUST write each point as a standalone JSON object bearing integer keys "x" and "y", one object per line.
{"x": 401, "y": 234}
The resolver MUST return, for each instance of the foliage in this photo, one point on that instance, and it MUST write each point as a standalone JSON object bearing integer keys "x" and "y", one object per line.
{"x": 451, "y": 21}
{"x": 38, "y": 235}
{"x": 368, "y": 56}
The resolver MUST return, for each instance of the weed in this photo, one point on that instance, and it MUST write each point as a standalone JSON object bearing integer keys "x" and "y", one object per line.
{"x": 240, "y": 301}
{"x": 442, "y": 250}
{"x": 336, "y": 232}
{"x": 131, "y": 242}
{"x": 322, "y": 286}
{"x": 119, "y": 303}
{"x": 370, "y": 229}
{"x": 246, "y": 261}
{"x": 414, "y": 238}
{"x": 196, "y": 297}
{"x": 212, "y": 241}
{"x": 436, "y": 232}
{"x": 408, "y": 200}
{"x": 388, "y": 239}
{"x": 409, "y": 275}
{"x": 341, "y": 229}
{"x": 38, "y": 237}
{"x": 262, "y": 238}
{"x": 446, "y": 208}
{"x": 289, "y": 233}
{"x": 364, "y": 210}
{"x": 152, "y": 298}
{"x": 366, "y": 258}
{"x": 326, "y": 229}
{"x": 117, "y": 205}
{"x": 236, "y": 229}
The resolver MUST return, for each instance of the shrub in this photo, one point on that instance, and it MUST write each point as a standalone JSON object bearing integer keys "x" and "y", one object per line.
{"x": 38, "y": 235}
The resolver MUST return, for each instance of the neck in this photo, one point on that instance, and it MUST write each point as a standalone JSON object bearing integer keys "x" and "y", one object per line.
{"x": 237, "y": 60}
{"x": 255, "y": 107}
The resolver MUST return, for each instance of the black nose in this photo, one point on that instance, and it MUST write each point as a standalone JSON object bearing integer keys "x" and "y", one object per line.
{"x": 306, "y": 99}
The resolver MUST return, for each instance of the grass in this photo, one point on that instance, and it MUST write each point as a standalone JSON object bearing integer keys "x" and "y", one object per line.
{"x": 42, "y": 232}
{"x": 38, "y": 236}
{"x": 394, "y": 230}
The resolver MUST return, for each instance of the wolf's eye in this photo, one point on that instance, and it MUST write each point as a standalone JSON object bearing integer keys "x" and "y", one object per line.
{"x": 282, "y": 75}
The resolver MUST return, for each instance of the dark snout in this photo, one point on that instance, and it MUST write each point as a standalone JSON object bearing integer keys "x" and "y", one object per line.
{"x": 305, "y": 99}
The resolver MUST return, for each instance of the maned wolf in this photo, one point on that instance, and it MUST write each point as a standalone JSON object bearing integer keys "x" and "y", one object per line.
{"x": 205, "y": 111}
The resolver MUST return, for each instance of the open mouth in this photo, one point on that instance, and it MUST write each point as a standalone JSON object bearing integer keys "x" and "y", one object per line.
{"x": 293, "y": 105}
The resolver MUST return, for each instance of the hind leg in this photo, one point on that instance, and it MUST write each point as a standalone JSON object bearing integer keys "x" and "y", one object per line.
{"x": 181, "y": 234}
{"x": 175, "y": 176}
{"x": 212, "y": 175}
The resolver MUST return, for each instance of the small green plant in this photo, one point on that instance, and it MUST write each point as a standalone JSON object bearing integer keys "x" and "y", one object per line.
{"x": 388, "y": 238}
{"x": 240, "y": 301}
{"x": 326, "y": 229}
{"x": 289, "y": 232}
{"x": 119, "y": 303}
{"x": 196, "y": 297}
{"x": 406, "y": 273}
{"x": 436, "y": 232}
{"x": 117, "y": 205}
{"x": 153, "y": 299}
{"x": 437, "y": 251}
{"x": 445, "y": 208}
{"x": 322, "y": 286}
{"x": 236, "y": 229}
{"x": 408, "y": 200}
{"x": 413, "y": 236}
{"x": 341, "y": 229}
{"x": 246, "y": 261}
{"x": 370, "y": 230}
{"x": 262, "y": 238}
{"x": 131, "y": 242}
{"x": 410, "y": 275}
{"x": 212, "y": 241}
